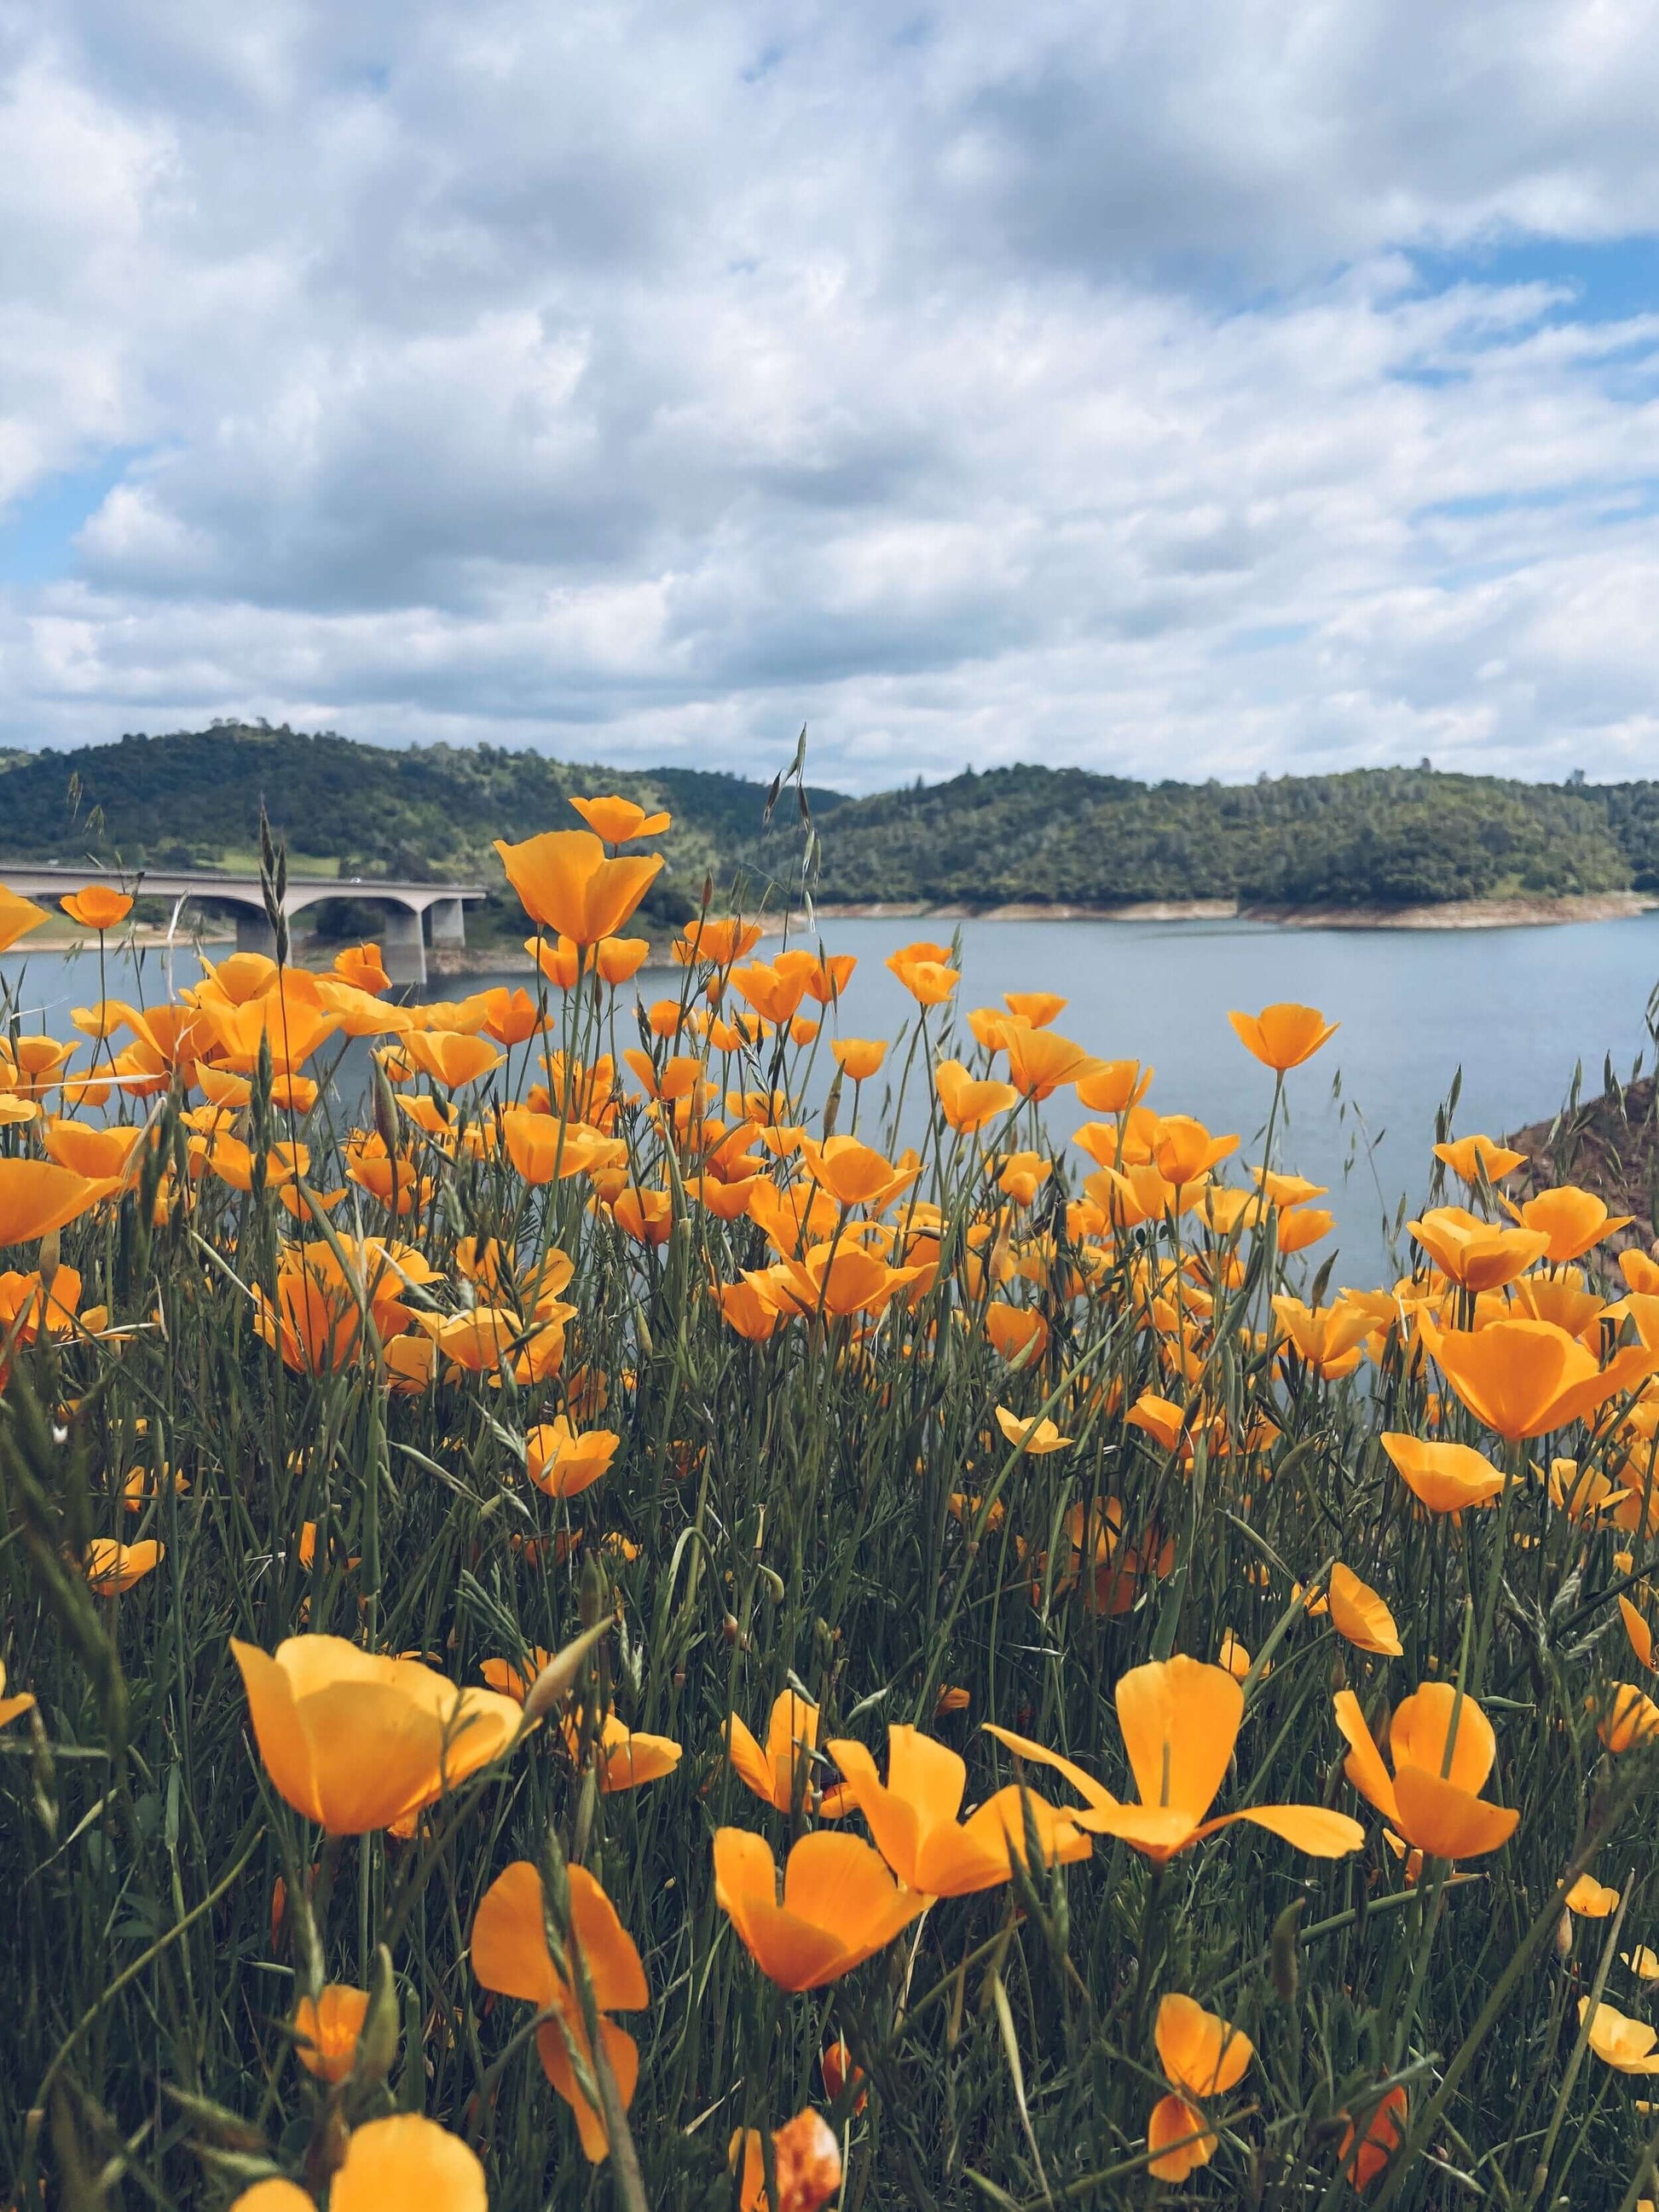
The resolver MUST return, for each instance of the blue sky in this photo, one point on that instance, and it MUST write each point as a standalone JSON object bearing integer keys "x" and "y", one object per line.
{"x": 1195, "y": 391}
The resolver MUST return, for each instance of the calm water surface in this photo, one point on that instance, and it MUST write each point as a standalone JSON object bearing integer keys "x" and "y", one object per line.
{"x": 1515, "y": 1009}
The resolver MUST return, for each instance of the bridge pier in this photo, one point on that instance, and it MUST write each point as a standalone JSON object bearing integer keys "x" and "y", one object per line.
{"x": 403, "y": 947}
{"x": 449, "y": 922}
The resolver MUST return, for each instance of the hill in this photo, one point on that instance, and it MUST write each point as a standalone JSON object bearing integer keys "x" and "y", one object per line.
{"x": 1374, "y": 837}
{"x": 192, "y": 800}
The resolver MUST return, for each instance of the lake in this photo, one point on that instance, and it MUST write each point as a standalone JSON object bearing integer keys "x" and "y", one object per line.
{"x": 1516, "y": 1009}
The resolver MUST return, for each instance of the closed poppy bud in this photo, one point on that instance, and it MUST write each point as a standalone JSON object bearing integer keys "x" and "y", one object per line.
{"x": 378, "y": 2042}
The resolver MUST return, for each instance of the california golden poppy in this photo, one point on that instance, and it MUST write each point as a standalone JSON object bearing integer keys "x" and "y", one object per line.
{"x": 510, "y": 1955}
{"x": 1363, "y": 2157}
{"x": 1282, "y": 1035}
{"x": 913, "y": 1817}
{"x": 18, "y": 917}
{"x": 1575, "y": 1221}
{"x": 1479, "y": 1254}
{"x": 1359, "y": 1614}
{"x": 1469, "y": 1158}
{"x": 113, "y": 1568}
{"x": 563, "y": 1461}
{"x": 1179, "y": 1720}
{"x": 565, "y": 882}
{"x": 968, "y": 1103}
{"x": 1435, "y": 1805}
{"x": 623, "y": 1758}
{"x": 1523, "y": 1378}
{"x": 619, "y": 821}
{"x": 840, "y": 1904}
{"x": 36, "y": 1196}
{"x": 781, "y": 1772}
{"x": 356, "y": 1741}
{"x": 805, "y": 2165}
{"x": 858, "y": 1058}
{"x": 403, "y": 2161}
{"x": 1446, "y": 1478}
{"x": 96, "y": 907}
{"x": 326, "y": 2029}
{"x": 1202, "y": 2056}
{"x": 1624, "y": 2043}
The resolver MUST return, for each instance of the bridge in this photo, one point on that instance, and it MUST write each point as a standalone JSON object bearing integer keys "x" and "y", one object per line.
{"x": 405, "y": 907}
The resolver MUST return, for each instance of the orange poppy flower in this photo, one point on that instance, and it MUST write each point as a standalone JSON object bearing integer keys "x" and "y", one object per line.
{"x": 326, "y": 2029}
{"x": 1282, "y": 1036}
{"x": 23, "y": 1702}
{"x": 772, "y": 1770}
{"x": 926, "y": 972}
{"x": 859, "y": 1057}
{"x": 96, "y": 907}
{"x": 1523, "y": 1378}
{"x": 1202, "y": 2056}
{"x": 113, "y": 1568}
{"x": 1180, "y": 1719}
{"x": 357, "y": 1741}
{"x": 510, "y": 1955}
{"x": 1631, "y": 1717}
{"x": 562, "y": 1460}
{"x": 1359, "y": 1614}
{"x": 968, "y": 1102}
{"x": 1444, "y": 1477}
{"x": 805, "y": 2165}
{"x": 449, "y": 1059}
{"x": 913, "y": 1817}
{"x": 1624, "y": 2043}
{"x": 361, "y": 965}
{"x": 36, "y": 1196}
{"x": 1435, "y": 1806}
{"x": 402, "y": 2160}
{"x": 720, "y": 938}
{"x": 1471, "y": 1157}
{"x": 1118, "y": 1085}
{"x": 1574, "y": 1220}
{"x": 1479, "y": 1254}
{"x": 840, "y": 1905}
{"x": 619, "y": 821}
{"x": 1364, "y": 2157}
{"x": 18, "y": 917}
{"x": 1041, "y": 1062}
{"x": 1039, "y": 1008}
{"x": 624, "y": 1758}
{"x": 565, "y": 882}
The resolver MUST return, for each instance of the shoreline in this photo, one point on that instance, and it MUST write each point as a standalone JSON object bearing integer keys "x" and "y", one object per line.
{"x": 1543, "y": 911}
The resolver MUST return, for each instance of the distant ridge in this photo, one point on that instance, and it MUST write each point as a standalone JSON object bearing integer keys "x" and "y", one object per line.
{"x": 1011, "y": 836}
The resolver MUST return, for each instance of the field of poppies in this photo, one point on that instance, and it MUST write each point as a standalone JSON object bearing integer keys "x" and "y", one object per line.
{"x": 600, "y": 1629}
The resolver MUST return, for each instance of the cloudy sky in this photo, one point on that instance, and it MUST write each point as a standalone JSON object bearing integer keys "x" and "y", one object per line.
{"x": 1203, "y": 389}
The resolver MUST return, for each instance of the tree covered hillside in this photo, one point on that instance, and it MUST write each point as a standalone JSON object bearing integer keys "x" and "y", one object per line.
{"x": 1372, "y": 837}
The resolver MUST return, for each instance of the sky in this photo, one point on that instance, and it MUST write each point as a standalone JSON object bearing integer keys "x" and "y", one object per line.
{"x": 1220, "y": 388}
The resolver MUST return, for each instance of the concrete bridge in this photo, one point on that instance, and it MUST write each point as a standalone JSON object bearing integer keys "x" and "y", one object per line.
{"x": 404, "y": 928}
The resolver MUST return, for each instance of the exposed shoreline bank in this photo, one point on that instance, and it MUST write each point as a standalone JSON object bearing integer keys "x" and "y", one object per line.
{"x": 1453, "y": 914}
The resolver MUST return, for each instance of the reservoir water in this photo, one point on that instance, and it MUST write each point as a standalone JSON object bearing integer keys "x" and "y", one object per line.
{"x": 1515, "y": 1009}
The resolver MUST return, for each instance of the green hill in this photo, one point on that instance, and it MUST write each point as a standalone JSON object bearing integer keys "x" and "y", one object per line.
{"x": 1370, "y": 837}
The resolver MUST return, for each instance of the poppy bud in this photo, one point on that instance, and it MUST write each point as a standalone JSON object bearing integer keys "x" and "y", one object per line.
{"x": 278, "y": 1912}
{"x": 1564, "y": 1938}
{"x": 386, "y": 1108}
{"x": 1283, "y": 1967}
{"x": 51, "y": 1257}
{"x": 377, "y": 2045}
{"x": 774, "y": 1584}
{"x": 729, "y": 1628}
{"x": 556, "y": 1679}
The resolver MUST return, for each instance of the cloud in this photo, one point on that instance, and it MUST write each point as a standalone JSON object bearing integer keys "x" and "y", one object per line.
{"x": 1204, "y": 391}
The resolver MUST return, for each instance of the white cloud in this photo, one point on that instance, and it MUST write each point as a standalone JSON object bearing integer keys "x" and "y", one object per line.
{"x": 1047, "y": 383}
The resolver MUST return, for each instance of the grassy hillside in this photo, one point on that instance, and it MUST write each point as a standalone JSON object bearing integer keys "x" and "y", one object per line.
{"x": 1372, "y": 838}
